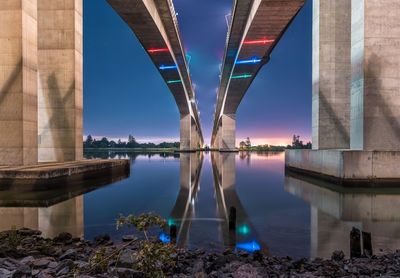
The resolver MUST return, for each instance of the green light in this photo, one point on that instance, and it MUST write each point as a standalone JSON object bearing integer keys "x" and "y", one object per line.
{"x": 244, "y": 229}
{"x": 174, "y": 81}
{"x": 170, "y": 222}
{"x": 240, "y": 76}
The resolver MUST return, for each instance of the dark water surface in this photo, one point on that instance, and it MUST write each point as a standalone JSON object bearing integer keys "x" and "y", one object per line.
{"x": 283, "y": 215}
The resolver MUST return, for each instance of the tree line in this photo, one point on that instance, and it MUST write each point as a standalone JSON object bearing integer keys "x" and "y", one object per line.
{"x": 296, "y": 144}
{"x": 104, "y": 143}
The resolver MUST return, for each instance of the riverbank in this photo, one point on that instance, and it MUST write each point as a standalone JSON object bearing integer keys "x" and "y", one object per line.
{"x": 24, "y": 253}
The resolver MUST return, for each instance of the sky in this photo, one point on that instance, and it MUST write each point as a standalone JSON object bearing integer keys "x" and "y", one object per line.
{"x": 124, "y": 93}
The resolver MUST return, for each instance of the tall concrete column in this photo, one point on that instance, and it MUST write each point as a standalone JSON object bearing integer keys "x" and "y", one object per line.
{"x": 194, "y": 135}
{"x": 18, "y": 82}
{"x": 375, "y": 102}
{"x": 185, "y": 132}
{"x": 331, "y": 74}
{"x": 228, "y": 132}
{"x": 60, "y": 80}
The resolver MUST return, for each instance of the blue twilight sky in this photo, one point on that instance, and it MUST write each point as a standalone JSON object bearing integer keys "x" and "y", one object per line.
{"x": 124, "y": 93}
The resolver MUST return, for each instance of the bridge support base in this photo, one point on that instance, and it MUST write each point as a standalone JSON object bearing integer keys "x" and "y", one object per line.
{"x": 347, "y": 167}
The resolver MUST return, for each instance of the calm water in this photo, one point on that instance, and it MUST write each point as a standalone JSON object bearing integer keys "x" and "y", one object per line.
{"x": 283, "y": 215}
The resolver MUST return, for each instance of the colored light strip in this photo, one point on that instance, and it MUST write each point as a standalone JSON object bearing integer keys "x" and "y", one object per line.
{"x": 174, "y": 81}
{"x": 167, "y": 67}
{"x": 251, "y": 61}
{"x": 155, "y": 50}
{"x": 265, "y": 41}
{"x": 240, "y": 76}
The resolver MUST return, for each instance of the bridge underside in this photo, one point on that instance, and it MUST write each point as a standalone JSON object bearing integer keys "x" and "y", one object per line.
{"x": 155, "y": 25}
{"x": 356, "y": 99}
{"x": 256, "y": 28}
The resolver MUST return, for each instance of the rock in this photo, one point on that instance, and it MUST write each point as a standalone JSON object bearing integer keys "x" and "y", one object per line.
{"x": 27, "y": 260}
{"x": 22, "y": 272}
{"x": 127, "y": 238}
{"x": 198, "y": 270}
{"x": 52, "y": 265}
{"x": 5, "y": 273}
{"x": 41, "y": 263}
{"x": 246, "y": 271}
{"x": 69, "y": 254}
{"x": 337, "y": 256}
{"x": 126, "y": 259}
{"x": 68, "y": 264}
{"x": 63, "y": 237}
{"x": 121, "y": 272}
{"x": 28, "y": 232}
{"x": 101, "y": 239}
{"x": 63, "y": 271}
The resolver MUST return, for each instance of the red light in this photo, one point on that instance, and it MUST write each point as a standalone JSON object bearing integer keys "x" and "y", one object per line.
{"x": 156, "y": 50}
{"x": 264, "y": 41}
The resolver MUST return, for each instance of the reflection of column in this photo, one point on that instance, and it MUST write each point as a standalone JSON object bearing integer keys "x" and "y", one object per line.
{"x": 331, "y": 74}
{"x": 66, "y": 216}
{"x": 60, "y": 80}
{"x": 228, "y": 132}
{"x": 224, "y": 171}
{"x": 329, "y": 234}
{"x": 180, "y": 216}
{"x": 334, "y": 214}
{"x": 375, "y": 80}
{"x": 63, "y": 217}
{"x": 18, "y": 82}
{"x": 228, "y": 170}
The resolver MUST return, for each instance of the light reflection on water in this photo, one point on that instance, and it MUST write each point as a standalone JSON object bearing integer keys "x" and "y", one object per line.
{"x": 197, "y": 192}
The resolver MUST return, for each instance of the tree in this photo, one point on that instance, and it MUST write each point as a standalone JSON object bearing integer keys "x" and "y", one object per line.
{"x": 248, "y": 143}
{"x": 242, "y": 145}
{"x": 88, "y": 142}
{"x": 297, "y": 143}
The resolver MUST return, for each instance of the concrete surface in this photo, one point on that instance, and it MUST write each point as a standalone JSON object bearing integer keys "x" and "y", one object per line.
{"x": 56, "y": 170}
{"x": 347, "y": 166}
{"x": 18, "y": 82}
{"x": 331, "y": 75}
{"x": 60, "y": 68}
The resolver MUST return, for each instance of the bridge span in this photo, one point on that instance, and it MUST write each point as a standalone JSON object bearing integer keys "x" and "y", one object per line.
{"x": 255, "y": 29}
{"x": 155, "y": 24}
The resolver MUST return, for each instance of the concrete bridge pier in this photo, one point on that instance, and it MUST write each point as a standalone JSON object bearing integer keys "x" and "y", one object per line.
{"x": 359, "y": 97}
{"x": 40, "y": 81}
{"x": 60, "y": 75}
{"x": 225, "y": 137}
{"x": 189, "y": 134}
{"x": 228, "y": 133}
{"x": 18, "y": 82}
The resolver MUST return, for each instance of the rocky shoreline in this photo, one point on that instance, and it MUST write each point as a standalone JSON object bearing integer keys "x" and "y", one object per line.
{"x": 24, "y": 253}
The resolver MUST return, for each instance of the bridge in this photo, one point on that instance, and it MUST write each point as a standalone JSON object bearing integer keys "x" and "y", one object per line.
{"x": 41, "y": 75}
{"x": 155, "y": 24}
{"x": 255, "y": 29}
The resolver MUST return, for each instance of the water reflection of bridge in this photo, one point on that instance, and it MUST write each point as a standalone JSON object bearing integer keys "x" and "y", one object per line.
{"x": 51, "y": 207}
{"x": 224, "y": 171}
{"x": 334, "y": 211}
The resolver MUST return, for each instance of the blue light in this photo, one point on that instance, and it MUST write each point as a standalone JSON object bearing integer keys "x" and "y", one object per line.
{"x": 162, "y": 67}
{"x": 164, "y": 238}
{"x": 244, "y": 229}
{"x": 254, "y": 60}
{"x": 170, "y": 222}
{"x": 249, "y": 246}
